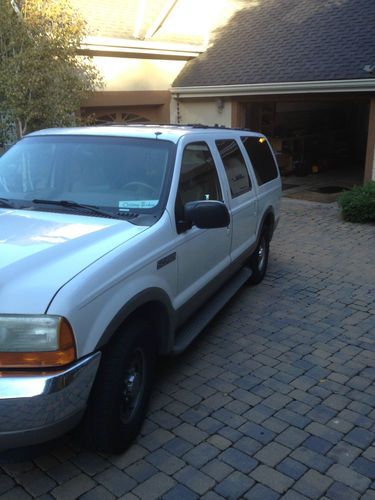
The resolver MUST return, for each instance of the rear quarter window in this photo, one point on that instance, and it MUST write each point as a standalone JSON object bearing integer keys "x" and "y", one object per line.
{"x": 235, "y": 167}
{"x": 261, "y": 158}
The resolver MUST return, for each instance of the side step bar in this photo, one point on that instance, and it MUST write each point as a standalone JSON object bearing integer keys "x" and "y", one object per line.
{"x": 206, "y": 313}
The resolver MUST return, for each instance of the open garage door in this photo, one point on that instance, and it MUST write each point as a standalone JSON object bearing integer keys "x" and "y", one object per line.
{"x": 320, "y": 142}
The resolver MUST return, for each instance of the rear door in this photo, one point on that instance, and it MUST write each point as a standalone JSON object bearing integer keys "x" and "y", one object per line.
{"x": 266, "y": 171}
{"x": 243, "y": 199}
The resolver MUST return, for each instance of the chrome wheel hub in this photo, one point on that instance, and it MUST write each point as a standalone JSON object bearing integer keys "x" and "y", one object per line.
{"x": 261, "y": 255}
{"x": 133, "y": 386}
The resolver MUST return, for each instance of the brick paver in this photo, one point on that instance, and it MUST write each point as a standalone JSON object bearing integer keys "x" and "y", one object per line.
{"x": 275, "y": 399}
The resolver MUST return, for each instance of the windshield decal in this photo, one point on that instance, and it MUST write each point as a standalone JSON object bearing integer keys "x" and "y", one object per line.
{"x": 126, "y": 205}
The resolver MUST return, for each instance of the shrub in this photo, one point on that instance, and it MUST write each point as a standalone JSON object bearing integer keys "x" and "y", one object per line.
{"x": 358, "y": 204}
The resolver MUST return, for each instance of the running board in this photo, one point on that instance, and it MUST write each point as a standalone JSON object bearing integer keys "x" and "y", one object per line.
{"x": 204, "y": 315}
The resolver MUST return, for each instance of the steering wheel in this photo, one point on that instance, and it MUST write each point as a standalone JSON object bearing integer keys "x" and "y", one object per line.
{"x": 139, "y": 186}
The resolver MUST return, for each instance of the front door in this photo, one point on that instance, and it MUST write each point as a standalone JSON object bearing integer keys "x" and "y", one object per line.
{"x": 202, "y": 254}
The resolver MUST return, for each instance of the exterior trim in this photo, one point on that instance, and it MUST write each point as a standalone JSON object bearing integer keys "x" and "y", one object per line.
{"x": 115, "y": 47}
{"x": 238, "y": 115}
{"x": 144, "y": 298}
{"x": 316, "y": 87}
{"x": 127, "y": 98}
{"x": 370, "y": 152}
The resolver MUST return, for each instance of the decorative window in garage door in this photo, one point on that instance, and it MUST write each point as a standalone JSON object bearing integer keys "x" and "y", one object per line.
{"x": 123, "y": 117}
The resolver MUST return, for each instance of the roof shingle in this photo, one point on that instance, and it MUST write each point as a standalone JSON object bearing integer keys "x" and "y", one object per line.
{"x": 288, "y": 41}
{"x": 119, "y": 19}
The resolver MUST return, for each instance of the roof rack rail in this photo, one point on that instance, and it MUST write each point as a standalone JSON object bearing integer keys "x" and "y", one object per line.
{"x": 177, "y": 125}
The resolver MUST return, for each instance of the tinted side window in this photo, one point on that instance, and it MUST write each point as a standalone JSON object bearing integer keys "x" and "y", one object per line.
{"x": 198, "y": 178}
{"x": 235, "y": 167}
{"x": 261, "y": 158}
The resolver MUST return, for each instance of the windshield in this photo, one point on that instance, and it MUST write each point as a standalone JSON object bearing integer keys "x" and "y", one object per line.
{"x": 119, "y": 174}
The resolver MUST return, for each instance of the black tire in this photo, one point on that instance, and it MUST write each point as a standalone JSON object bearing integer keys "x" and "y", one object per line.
{"x": 259, "y": 259}
{"x": 122, "y": 389}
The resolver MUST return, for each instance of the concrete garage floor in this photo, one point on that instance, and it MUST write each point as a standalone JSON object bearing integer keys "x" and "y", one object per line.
{"x": 275, "y": 400}
{"x": 324, "y": 187}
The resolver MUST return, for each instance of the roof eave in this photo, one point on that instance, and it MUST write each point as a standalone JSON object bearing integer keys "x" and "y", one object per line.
{"x": 315, "y": 87}
{"x": 116, "y": 47}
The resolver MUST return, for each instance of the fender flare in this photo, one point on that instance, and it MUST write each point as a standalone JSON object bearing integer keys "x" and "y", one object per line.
{"x": 142, "y": 299}
{"x": 268, "y": 212}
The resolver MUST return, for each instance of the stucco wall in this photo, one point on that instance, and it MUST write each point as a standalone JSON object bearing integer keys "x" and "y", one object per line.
{"x": 137, "y": 74}
{"x": 210, "y": 112}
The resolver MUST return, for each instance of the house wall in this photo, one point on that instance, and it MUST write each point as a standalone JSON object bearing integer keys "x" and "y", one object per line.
{"x": 206, "y": 112}
{"x": 136, "y": 86}
{"x": 137, "y": 74}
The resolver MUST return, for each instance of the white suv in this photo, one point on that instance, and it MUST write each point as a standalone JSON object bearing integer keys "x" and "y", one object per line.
{"x": 119, "y": 244}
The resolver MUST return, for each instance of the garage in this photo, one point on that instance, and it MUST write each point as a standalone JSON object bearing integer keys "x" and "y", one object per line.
{"x": 304, "y": 74}
{"x": 127, "y": 107}
{"x": 320, "y": 142}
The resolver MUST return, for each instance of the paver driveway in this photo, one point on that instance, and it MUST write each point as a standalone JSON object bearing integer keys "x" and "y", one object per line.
{"x": 276, "y": 398}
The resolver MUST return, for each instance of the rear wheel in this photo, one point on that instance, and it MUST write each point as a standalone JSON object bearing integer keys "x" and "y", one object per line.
{"x": 259, "y": 259}
{"x": 122, "y": 390}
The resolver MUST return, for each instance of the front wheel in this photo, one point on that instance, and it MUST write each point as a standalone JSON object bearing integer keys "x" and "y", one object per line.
{"x": 259, "y": 259}
{"x": 122, "y": 390}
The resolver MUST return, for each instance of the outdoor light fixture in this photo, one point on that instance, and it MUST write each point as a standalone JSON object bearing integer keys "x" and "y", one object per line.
{"x": 220, "y": 105}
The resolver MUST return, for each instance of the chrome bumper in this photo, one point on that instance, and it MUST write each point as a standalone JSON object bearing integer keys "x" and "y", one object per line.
{"x": 38, "y": 407}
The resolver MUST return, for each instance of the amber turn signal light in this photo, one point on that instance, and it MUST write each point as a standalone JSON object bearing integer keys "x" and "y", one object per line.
{"x": 63, "y": 355}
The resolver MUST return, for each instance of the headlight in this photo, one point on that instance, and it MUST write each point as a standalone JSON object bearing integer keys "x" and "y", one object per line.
{"x": 35, "y": 341}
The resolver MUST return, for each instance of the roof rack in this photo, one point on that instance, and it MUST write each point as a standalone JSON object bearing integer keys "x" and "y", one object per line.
{"x": 177, "y": 125}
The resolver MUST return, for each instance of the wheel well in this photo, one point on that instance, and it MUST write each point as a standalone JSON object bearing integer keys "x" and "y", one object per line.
{"x": 268, "y": 224}
{"x": 156, "y": 314}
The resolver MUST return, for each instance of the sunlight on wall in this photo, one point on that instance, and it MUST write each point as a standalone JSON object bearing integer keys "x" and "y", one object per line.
{"x": 206, "y": 113}
{"x": 190, "y": 23}
{"x": 138, "y": 74}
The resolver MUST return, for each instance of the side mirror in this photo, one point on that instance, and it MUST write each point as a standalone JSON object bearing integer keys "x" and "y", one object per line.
{"x": 206, "y": 214}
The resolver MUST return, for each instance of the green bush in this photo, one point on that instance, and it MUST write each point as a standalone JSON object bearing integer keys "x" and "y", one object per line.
{"x": 358, "y": 204}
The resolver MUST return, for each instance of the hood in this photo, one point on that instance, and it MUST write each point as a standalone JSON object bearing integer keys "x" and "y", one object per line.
{"x": 41, "y": 251}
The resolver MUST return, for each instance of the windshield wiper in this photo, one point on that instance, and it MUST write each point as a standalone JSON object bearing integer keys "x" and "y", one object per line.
{"x": 78, "y": 206}
{"x": 5, "y": 203}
